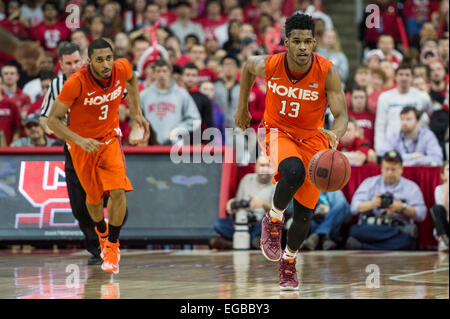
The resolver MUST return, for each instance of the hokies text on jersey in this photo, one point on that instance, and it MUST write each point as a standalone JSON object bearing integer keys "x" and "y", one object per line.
{"x": 296, "y": 93}
{"x": 101, "y": 99}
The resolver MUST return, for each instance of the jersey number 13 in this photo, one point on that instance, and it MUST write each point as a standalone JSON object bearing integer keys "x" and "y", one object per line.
{"x": 294, "y": 108}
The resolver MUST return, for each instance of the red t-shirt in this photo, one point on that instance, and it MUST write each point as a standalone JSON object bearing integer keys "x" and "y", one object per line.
{"x": 50, "y": 35}
{"x": 16, "y": 28}
{"x": 358, "y": 144}
{"x": 9, "y": 119}
{"x": 207, "y": 74}
{"x": 167, "y": 18}
{"x": 366, "y": 121}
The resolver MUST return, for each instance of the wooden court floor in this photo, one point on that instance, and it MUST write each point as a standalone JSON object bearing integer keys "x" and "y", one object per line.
{"x": 209, "y": 274}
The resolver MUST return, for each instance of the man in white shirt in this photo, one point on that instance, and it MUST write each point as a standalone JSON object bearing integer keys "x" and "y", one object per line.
{"x": 391, "y": 103}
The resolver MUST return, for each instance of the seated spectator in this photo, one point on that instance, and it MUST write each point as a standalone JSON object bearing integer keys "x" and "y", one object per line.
{"x": 33, "y": 88}
{"x": 417, "y": 145}
{"x": 420, "y": 84}
{"x": 138, "y": 46}
{"x": 10, "y": 122}
{"x": 45, "y": 79}
{"x": 167, "y": 17}
{"x": 373, "y": 58}
{"x": 437, "y": 83}
{"x": 390, "y": 104}
{"x": 189, "y": 80}
{"x": 443, "y": 50}
{"x": 170, "y": 110}
{"x": 35, "y": 134}
{"x": 183, "y": 25}
{"x": 386, "y": 44}
{"x": 213, "y": 17}
{"x": 10, "y": 76}
{"x": 221, "y": 33}
{"x": 389, "y": 71}
{"x": 255, "y": 194}
{"x": 111, "y": 14}
{"x": 330, "y": 49}
{"x": 134, "y": 19}
{"x": 388, "y": 206}
{"x": 207, "y": 88}
{"x": 421, "y": 70}
{"x": 439, "y": 212}
{"x": 378, "y": 85}
{"x": 359, "y": 111}
{"x": 121, "y": 47}
{"x": 331, "y": 211}
{"x": 198, "y": 56}
{"x": 353, "y": 146}
{"x": 233, "y": 44}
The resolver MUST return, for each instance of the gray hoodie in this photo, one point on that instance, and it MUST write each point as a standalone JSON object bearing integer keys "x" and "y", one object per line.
{"x": 172, "y": 109}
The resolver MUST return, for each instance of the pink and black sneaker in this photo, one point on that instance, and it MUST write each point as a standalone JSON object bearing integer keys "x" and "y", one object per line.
{"x": 271, "y": 229}
{"x": 288, "y": 274}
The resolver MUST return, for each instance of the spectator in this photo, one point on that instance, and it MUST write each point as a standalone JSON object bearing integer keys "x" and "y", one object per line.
{"x": 110, "y": 12}
{"x": 198, "y": 56}
{"x": 378, "y": 85}
{"x": 421, "y": 70}
{"x": 390, "y": 104}
{"x": 233, "y": 44}
{"x": 170, "y": 110}
{"x": 255, "y": 193}
{"x": 189, "y": 41}
{"x": 387, "y": 205}
{"x": 439, "y": 212}
{"x": 359, "y": 111}
{"x": 134, "y": 19}
{"x": 35, "y": 133}
{"x": 10, "y": 76}
{"x": 354, "y": 146}
{"x": 50, "y": 31}
{"x": 213, "y": 18}
{"x": 222, "y": 32}
{"x": 10, "y": 122}
{"x": 34, "y": 88}
{"x": 306, "y": 6}
{"x": 226, "y": 90}
{"x": 207, "y": 88}
{"x": 96, "y": 28}
{"x": 80, "y": 38}
{"x": 89, "y": 11}
{"x": 32, "y": 11}
{"x": 389, "y": 71}
{"x": 443, "y": 50}
{"x": 45, "y": 79}
{"x": 420, "y": 84}
{"x": 417, "y": 145}
{"x": 15, "y": 22}
{"x": 373, "y": 58}
{"x": 437, "y": 82}
{"x": 362, "y": 77}
{"x": 426, "y": 32}
{"x": 256, "y": 106}
{"x": 183, "y": 25}
{"x": 212, "y": 47}
{"x": 386, "y": 44}
{"x": 138, "y": 46}
{"x": 331, "y": 211}
{"x": 411, "y": 57}
{"x": 122, "y": 47}
{"x": 331, "y": 49}
{"x": 167, "y": 17}
{"x": 189, "y": 79}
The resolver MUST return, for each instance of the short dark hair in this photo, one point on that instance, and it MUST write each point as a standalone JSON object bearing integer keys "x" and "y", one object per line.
{"x": 10, "y": 64}
{"x": 408, "y": 109}
{"x": 182, "y": 3}
{"x": 189, "y": 65}
{"x": 299, "y": 21}
{"x": 68, "y": 49}
{"x": 420, "y": 65}
{"x": 46, "y": 75}
{"x": 98, "y": 44}
{"x": 194, "y": 36}
{"x": 140, "y": 38}
{"x": 52, "y": 3}
{"x": 231, "y": 56}
{"x": 161, "y": 63}
{"x": 403, "y": 67}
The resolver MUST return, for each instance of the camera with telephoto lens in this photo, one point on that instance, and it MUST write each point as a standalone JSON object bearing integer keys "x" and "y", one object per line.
{"x": 386, "y": 200}
{"x": 238, "y": 204}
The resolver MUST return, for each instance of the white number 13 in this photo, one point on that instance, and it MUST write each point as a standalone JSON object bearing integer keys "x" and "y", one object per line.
{"x": 104, "y": 110}
{"x": 295, "y": 108}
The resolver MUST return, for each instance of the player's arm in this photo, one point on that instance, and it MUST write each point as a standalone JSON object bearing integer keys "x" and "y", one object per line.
{"x": 338, "y": 107}
{"x": 255, "y": 66}
{"x": 138, "y": 121}
{"x": 56, "y": 123}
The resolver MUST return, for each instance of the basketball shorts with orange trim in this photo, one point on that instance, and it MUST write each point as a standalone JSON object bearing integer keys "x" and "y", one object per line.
{"x": 278, "y": 145}
{"x": 101, "y": 171}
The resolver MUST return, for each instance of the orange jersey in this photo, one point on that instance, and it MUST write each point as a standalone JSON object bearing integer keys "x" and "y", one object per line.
{"x": 296, "y": 106}
{"x": 94, "y": 108}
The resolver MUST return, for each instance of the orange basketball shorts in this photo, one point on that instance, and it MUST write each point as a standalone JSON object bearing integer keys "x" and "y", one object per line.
{"x": 278, "y": 145}
{"x": 101, "y": 171}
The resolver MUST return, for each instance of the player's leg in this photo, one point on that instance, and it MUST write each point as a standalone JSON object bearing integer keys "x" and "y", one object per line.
{"x": 118, "y": 205}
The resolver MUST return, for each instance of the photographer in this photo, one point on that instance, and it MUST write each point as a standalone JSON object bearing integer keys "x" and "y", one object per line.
{"x": 254, "y": 194}
{"x": 388, "y": 205}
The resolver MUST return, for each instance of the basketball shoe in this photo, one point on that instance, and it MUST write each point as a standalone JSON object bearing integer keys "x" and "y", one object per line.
{"x": 271, "y": 230}
{"x": 111, "y": 257}
{"x": 102, "y": 238}
{"x": 288, "y": 274}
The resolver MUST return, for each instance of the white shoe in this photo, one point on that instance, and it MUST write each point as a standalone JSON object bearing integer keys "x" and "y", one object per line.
{"x": 443, "y": 245}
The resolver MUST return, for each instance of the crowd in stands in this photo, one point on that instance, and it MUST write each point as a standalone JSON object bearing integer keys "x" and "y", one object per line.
{"x": 188, "y": 55}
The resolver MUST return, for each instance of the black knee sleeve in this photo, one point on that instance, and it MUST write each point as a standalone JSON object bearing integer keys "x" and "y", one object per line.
{"x": 293, "y": 176}
{"x": 300, "y": 226}
{"x": 439, "y": 216}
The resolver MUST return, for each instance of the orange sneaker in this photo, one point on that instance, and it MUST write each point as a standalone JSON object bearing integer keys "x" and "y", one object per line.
{"x": 102, "y": 238}
{"x": 111, "y": 257}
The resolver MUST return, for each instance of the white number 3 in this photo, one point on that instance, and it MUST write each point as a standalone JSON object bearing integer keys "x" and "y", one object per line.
{"x": 104, "y": 110}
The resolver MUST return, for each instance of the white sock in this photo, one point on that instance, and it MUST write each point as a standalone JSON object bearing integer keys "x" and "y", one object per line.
{"x": 276, "y": 213}
{"x": 287, "y": 254}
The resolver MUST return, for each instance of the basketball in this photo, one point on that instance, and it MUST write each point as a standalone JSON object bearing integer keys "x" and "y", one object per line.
{"x": 329, "y": 170}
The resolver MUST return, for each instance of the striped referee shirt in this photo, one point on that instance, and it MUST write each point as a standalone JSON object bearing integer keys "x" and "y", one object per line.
{"x": 52, "y": 93}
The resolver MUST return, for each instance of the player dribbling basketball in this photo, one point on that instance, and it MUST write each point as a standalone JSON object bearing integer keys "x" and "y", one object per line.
{"x": 300, "y": 85}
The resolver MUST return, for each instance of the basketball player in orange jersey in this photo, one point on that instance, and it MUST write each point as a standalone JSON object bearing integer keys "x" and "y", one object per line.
{"x": 300, "y": 86}
{"x": 93, "y": 136}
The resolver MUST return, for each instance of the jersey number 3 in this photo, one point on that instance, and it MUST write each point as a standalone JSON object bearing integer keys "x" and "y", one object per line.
{"x": 293, "y": 112}
{"x": 104, "y": 110}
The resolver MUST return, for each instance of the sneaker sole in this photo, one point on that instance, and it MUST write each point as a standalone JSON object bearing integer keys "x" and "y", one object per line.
{"x": 264, "y": 254}
{"x": 288, "y": 288}
{"x": 110, "y": 271}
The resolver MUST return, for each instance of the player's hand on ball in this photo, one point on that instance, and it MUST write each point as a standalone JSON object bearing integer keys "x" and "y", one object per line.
{"x": 331, "y": 136}
{"x": 242, "y": 119}
{"x": 90, "y": 145}
{"x": 140, "y": 130}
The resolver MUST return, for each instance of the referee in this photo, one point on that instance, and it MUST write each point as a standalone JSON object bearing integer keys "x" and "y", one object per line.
{"x": 70, "y": 62}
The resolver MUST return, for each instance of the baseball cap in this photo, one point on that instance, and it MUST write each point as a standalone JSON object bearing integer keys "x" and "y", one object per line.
{"x": 32, "y": 118}
{"x": 393, "y": 156}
